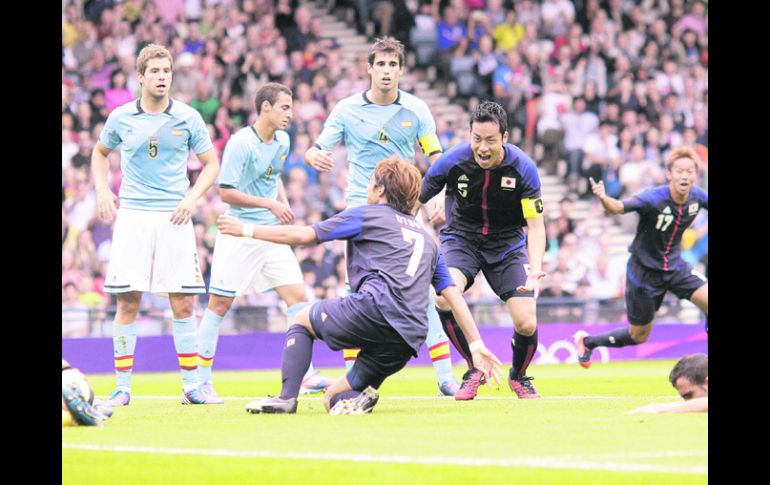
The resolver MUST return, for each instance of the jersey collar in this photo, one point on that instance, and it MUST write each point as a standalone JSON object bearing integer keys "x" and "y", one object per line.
{"x": 139, "y": 109}
{"x": 368, "y": 101}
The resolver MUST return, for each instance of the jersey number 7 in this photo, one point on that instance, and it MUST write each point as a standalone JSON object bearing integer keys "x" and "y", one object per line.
{"x": 419, "y": 246}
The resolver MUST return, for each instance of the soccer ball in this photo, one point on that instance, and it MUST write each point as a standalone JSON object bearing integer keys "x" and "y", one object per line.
{"x": 74, "y": 378}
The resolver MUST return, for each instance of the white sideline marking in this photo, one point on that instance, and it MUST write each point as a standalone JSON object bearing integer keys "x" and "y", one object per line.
{"x": 529, "y": 462}
{"x": 409, "y": 398}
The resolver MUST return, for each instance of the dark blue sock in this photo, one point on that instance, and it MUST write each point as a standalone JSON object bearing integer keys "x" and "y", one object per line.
{"x": 524, "y": 347}
{"x": 615, "y": 338}
{"x": 295, "y": 360}
{"x": 342, "y": 395}
{"x": 456, "y": 336}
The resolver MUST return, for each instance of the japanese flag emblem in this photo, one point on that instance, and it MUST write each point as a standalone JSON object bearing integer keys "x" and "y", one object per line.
{"x": 508, "y": 183}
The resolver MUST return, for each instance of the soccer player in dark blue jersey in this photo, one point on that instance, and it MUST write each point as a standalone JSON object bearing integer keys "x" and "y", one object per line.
{"x": 391, "y": 263}
{"x": 655, "y": 265}
{"x": 492, "y": 194}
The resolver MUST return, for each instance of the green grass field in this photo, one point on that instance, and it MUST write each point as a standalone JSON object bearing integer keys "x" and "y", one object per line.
{"x": 579, "y": 432}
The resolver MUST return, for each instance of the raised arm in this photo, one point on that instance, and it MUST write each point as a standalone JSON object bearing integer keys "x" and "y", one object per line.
{"x": 613, "y": 206}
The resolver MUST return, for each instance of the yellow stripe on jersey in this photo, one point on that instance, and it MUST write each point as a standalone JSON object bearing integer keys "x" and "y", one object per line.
{"x": 430, "y": 144}
{"x": 532, "y": 207}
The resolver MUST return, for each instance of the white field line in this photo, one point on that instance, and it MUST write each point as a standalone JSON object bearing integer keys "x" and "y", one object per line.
{"x": 528, "y": 462}
{"x": 409, "y": 398}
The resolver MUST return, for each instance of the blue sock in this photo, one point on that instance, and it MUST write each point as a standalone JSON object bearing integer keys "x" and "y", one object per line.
{"x": 438, "y": 344}
{"x": 524, "y": 348}
{"x": 614, "y": 338}
{"x": 456, "y": 335}
{"x": 123, "y": 344}
{"x": 208, "y": 334}
{"x": 295, "y": 359}
{"x": 186, "y": 351}
{"x": 291, "y": 313}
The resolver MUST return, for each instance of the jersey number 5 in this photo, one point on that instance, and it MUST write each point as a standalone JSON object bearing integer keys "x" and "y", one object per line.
{"x": 664, "y": 220}
{"x": 152, "y": 148}
{"x": 419, "y": 245}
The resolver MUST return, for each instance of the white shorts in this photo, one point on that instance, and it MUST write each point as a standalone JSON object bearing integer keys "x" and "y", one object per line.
{"x": 242, "y": 263}
{"x": 149, "y": 253}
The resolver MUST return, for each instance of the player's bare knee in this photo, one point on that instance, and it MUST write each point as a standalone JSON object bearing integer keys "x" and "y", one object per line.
{"x": 220, "y": 305}
{"x": 640, "y": 333}
{"x": 526, "y": 327}
{"x": 181, "y": 305}
{"x": 128, "y": 305}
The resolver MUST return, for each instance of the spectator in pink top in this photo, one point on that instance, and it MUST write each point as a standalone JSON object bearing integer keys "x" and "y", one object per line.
{"x": 117, "y": 94}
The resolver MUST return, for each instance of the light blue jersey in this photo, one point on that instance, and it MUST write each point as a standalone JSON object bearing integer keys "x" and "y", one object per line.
{"x": 154, "y": 152}
{"x": 252, "y": 166}
{"x": 372, "y": 132}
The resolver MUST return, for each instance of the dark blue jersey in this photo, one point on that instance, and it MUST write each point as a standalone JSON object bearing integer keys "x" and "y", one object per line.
{"x": 392, "y": 257}
{"x": 661, "y": 225}
{"x": 495, "y": 202}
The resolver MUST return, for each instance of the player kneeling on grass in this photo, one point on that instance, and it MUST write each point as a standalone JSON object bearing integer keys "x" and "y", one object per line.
{"x": 690, "y": 378}
{"x": 391, "y": 262}
{"x": 78, "y": 407}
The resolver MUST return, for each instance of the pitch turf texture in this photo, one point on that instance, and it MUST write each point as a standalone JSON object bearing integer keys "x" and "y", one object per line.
{"x": 579, "y": 432}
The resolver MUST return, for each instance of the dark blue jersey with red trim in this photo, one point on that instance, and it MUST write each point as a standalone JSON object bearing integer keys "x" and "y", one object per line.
{"x": 393, "y": 258}
{"x": 487, "y": 202}
{"x": 657, "y": 244}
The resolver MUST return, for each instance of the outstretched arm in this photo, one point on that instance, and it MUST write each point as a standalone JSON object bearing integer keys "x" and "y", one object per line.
{"x": 697, "y": 405}
{"x": 296, "y": 235}
{"x": 613, "y": 206}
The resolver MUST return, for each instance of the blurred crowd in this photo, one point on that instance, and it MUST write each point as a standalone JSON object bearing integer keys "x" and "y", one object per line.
{"x": 593, "y": 88}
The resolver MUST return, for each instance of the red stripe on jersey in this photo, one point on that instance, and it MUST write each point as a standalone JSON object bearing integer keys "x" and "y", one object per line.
{"x": 188, "y": 367}
{"x": 124, "y": 357}
{"x": 671, "y": 240}
{"x": 187, "y": 355}
{"x": 484, "y": 213}
{"x": 205, "y": 358}
{"x": 129, "y": 367}
{"x": 439, "y": 345}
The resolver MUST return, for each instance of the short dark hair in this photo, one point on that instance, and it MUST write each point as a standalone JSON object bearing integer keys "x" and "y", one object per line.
{"x": 269, "y": 92}
{"x": 386, "y": 45}
{"x": 695, "y": 367}
{"x": 489, "y": 111}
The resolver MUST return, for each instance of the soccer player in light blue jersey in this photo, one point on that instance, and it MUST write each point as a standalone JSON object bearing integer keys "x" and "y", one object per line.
{"x": 374, "y": 125}
{"x": 153, "y": 244}
{"x": 250, "y": 183}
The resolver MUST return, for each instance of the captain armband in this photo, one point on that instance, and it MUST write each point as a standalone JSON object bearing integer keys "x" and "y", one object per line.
{"x": 430, "y": 144}
{"x": 532, "y": 207}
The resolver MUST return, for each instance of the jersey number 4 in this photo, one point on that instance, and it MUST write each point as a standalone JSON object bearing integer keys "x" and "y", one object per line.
{"x": 419, "y": 246}
{"x": 664, "y": 220}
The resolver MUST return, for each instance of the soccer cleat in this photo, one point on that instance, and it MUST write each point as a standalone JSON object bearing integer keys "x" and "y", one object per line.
{"x": 472, "y": 379}
{"x": 523, "y": 388}
{"x": 82, "y": 412}
{"x": 314, "y": 383}
{"x": 119, "y": 397}
{"x": 273, "y": 405}
{"x": 361, "y": 404}
{"x": 583, "y": 352}
{"x": 197, "y": 396}
{"x": 448, "y": 388}
{"x": 208, "y": 388}
{"x": 103, "y": 407}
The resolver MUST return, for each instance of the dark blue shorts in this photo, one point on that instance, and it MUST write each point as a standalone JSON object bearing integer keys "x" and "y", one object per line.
{"x": 645, "y": 288}
{"x": 505, "y": 266}
{"x": 355, "y": 321}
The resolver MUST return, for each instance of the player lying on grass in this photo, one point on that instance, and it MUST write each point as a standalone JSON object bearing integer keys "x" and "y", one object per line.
{"x": 78, "y": 407}
{"x": 690, "y": 378}
{"x": 391, "y": 262}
